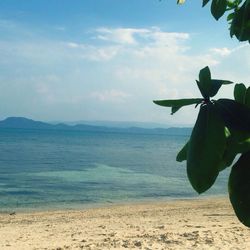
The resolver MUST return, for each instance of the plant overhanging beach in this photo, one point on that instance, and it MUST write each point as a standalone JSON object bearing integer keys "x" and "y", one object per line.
{"x": 222, "y": 129}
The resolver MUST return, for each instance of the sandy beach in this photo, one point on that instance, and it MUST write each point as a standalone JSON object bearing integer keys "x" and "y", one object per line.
{"x": 182, "y": 224}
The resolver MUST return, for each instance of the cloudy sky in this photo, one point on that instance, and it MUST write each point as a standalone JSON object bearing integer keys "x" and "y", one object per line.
{"x": 64, "y": 60}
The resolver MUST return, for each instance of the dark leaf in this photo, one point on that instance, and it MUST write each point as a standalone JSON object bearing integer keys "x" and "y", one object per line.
{"x": 223, "y": 82}
{"x": 174, "y": 109}
{"x": 231, "y": 5}
{"x": 243, "y": 146}
{"x": 205, "y": 149}
{"x": 230, "y": 152}
{"x": 178, "y": 103}
{"x": 240, "y": 25}
{"x": 215, "y": 86}
{"x": 204, "y": 2}
{"x": 232, "y": 29}
{"x": 239, "y": 136}
{"x": 182, "y": 155}
{"x": 230, "y": 17}
{"x": 201, "y": 89}
{"x": 235, "y": 115}
{"x": 240, "y": 92}
{"x": 204, "y": 82}
{"x": 207, "y": 86}
{"x": 247, "y": 98}
{"x": 236, "y": 143}
{"x": 218, "y": 8}
{"x": 239, "y": 188}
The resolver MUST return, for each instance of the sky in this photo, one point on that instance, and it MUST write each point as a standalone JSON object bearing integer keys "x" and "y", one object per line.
{"x": 106, "y": 60}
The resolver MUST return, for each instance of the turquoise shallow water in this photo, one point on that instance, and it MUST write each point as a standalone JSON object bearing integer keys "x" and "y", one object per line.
{"x": 65, "y": 169}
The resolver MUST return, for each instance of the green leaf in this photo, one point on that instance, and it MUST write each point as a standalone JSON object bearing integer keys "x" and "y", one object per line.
{"x": 204, "y": 82}
{"x": 239, "y": 188}
{"x": 205, "y": 2}
{"x": 177, "y": 104}
{"x": 240, "y": 25}
{"x": 181, "y": 1}
{"x": 240, "y": 92}
{"x": 205, "y": 149}
{"x": 247, "y": 97}
{"x": 230, "y": 17}
{"x": 230, "y": 152}
{"x": 182, "y": 155}
{"x": 207, "y": 86}
{"x": 235, "y": 146}
{"x": 174, "y": 110}
{"x": 243, "y": 146}
{"x": 218, "y": 8}
{"x": 235, "y": 115}
{"x": 232, "y": 4}
{"x": 215, "y": 86}
{"x": 239, "y": 136}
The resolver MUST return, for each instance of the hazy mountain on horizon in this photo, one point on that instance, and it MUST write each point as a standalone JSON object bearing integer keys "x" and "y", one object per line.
{"x": 118, "y": 124}
{"x": 25, "y": 123}
{"x": 121, "y": 124}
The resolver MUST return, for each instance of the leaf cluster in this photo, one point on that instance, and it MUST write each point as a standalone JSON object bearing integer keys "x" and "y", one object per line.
{"x": 221, "y": 132}
{"x": 238, "y": 15}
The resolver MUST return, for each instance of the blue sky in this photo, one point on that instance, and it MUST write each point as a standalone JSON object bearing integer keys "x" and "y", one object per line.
{"x": 70, "y": 60}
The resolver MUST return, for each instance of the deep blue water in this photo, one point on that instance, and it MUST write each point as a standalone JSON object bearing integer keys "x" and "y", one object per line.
{"x": 64, "y": 169}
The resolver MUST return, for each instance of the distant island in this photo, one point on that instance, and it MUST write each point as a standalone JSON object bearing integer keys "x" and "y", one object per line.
{"x": 25, "y": 123}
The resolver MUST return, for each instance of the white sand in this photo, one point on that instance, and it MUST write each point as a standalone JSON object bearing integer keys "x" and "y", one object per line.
{"x": 190, "y": 224}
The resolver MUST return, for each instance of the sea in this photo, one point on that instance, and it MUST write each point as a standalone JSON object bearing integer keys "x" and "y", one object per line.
{"x": 49, "y": 169}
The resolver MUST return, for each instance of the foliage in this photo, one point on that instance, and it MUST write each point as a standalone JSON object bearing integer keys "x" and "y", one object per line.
{"x": 238, "y": 15}
{"x": 222, "y": 129}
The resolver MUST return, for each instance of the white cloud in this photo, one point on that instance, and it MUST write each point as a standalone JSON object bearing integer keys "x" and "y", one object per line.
{"x": 128, "y": 67}
{"x": 129, "y": 36}
{"x": 226, "y": 51}
{"x": 159, "y": 37}
{"x": 120, "y": 35}
{"x": 112, "y": 95}
{"x": 101, "y": 54}
{"x": 235, "y": 66}
{"x": 73, "y": 45}
{"x": 93, "y": 53}
{"x": 221, "y": 51}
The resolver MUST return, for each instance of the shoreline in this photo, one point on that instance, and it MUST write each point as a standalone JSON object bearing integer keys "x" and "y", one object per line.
{"x": 206, "y": 223}
{"x": 83, "y": 206}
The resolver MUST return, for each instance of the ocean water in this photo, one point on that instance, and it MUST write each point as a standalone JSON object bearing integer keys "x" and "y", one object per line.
{"x": 68, "y": 169}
